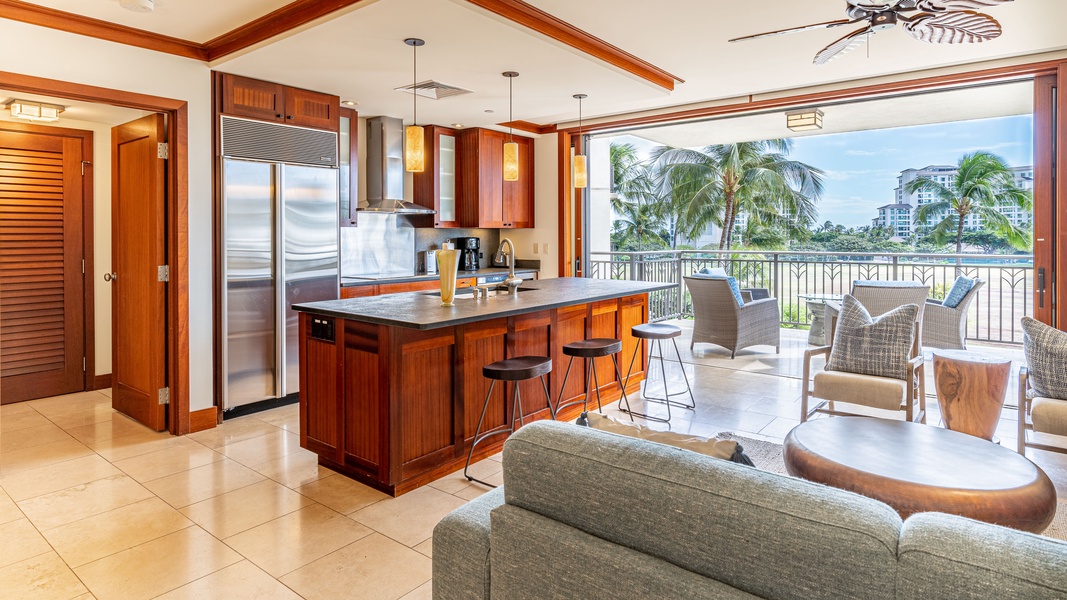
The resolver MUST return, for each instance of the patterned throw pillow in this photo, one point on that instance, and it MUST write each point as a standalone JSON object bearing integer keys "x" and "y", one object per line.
{"x": 1046, "y": 355}
{"x": 869, "y": 346}
{"x": 958, "y": 291}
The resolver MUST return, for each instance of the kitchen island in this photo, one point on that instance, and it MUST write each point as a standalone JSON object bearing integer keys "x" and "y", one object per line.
{"x": 392, "y": 386}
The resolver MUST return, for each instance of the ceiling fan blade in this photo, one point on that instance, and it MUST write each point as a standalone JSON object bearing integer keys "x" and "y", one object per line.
{"x": 843, "y": 46}
{"x": 827, "y": 24}
{"x": 955, "y": 27}
{"x": 946, "y": 5}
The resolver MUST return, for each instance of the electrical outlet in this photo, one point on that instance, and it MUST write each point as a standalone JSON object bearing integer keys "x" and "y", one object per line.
{"x": 535, "y": 247}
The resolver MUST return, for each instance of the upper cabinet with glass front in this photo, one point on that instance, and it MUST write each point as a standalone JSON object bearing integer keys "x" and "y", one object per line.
{"x": 435, "y": 187}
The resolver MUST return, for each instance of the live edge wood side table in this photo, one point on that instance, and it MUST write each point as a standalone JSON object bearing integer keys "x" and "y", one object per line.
{"x": 970, "y": 390}
{"x": 919, "y": 468}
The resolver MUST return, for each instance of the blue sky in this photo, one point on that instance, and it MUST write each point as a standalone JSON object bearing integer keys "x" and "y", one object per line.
{"x": 861, "y": 167}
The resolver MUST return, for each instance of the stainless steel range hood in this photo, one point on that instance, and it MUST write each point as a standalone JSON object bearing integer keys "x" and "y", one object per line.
{"x": 385, "y": 168}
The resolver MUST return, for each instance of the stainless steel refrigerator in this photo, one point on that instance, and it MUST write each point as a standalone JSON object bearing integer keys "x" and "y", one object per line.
{"x": 280, "y": 232}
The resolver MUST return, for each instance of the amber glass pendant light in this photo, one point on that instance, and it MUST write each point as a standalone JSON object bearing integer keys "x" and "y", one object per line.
{"x": 511, "y": 149}
{"x": 579, "y": 169}
{"x": 414, "y": 140}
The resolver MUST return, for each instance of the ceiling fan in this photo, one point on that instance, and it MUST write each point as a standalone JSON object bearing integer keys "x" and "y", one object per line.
{"x": 937, "y": 22}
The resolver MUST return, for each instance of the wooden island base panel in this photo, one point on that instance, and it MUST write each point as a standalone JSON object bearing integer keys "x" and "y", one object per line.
{"x": 395, "y": 404}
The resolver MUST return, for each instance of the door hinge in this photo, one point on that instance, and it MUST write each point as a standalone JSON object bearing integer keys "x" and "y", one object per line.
{"x": 164, "y": 273}
{"x": 163, "y": 150}
{"x": 164, "y": 395}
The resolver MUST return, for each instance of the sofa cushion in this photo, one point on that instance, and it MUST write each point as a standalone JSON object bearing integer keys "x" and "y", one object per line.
{"x": 765, "y": 534}
{"x": 868, "y": 345}
{"x": 714, "y": 447}
{"x": 877, "y": 392}
{"x": 959, "y": 290}
{"x": 945, "y": 556}
{"x": 535, "y": 557}
{"x": 1049, "y": 415}
{"x": 1046, "y": 355}
{"x": 461, "y": 567}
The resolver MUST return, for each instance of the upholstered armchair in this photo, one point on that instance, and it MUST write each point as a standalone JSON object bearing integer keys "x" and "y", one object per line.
{"x": 1043, "y": 388}
{"x": 905, "y": 392}
{"x": 722, "y": 317}
{"x": 1039, "y": 415}
{"x": 946, "y": 326}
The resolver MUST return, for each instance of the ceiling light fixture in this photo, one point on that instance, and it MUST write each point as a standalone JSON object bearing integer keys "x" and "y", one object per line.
{"x": 139, "y": 6}
{"x": 414, "y": 141}
{"x": 804, "y": 120}
{"x": 579, "y": 171}
{"x": 511, "y": 149}
{"x": 350, "y": 103}
{"x": 35, "y": 111}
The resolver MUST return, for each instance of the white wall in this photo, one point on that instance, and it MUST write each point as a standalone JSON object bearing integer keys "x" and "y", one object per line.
{"x": 546, "y": 217}
{"x": 42, "y": 52}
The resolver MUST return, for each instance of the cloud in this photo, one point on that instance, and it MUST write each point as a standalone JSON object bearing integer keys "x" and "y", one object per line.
{"x": 869, "y": 174}
{"x": 987, "y": 147}
{"x": 878, "y": 152}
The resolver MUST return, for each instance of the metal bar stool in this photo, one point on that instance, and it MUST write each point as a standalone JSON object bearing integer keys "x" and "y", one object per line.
{"x": 656, "y": 333}
{"x": 515, "y": 369}
{"x": 588, "y": 350}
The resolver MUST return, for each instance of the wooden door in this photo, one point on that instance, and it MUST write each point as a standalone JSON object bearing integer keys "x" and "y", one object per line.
{"x": 42, "y": 318}
{"x": 246, "y": 97}
{"x": 138, "y": 249}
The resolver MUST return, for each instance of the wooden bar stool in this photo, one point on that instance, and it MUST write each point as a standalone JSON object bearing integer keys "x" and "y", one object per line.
{"x": 515, "y": 369}
{"x": 588, "y": 350}
{"x": 656, "y": 333}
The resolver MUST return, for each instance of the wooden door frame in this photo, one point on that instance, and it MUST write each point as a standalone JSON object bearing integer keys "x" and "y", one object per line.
{"x": 177, "y": 112}
{"x": 89, "y": 381}
{"x": 1031, "y": 71}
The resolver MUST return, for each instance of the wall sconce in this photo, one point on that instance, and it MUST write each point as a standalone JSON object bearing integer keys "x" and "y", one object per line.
{"x": 35, "y": 111}
{"x": 804, "y": 120}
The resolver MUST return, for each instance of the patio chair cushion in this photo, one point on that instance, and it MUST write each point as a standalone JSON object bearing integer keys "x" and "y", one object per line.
{"x": 713, "y": 447}
{"x": 959, "y": 290}
{"x": 1046, "y": 355}
{"x": 873, "y": 346}
{"x": 732, "y": 281}
{"x": 877, "y": 392}
{"x": 1049, "y": 415}
{"x": 714, "y": 271}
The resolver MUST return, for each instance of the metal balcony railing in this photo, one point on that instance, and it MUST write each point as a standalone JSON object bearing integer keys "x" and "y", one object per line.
{"x": 994, "y": 315}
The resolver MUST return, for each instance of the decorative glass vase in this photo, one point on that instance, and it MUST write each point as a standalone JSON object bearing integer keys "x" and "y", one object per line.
{"x": 448, "y": 267}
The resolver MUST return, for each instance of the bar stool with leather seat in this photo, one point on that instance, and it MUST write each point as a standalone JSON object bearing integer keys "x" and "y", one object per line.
{"x": 656, "y": 333}
{"x": 520, "y": 368}
{"x": 590, "y": 350}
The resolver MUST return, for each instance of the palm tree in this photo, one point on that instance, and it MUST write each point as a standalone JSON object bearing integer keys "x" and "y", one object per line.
{"x": 638, "y": 226}
{"x": 719, "y": 181}
{"x": 983, "y": 184}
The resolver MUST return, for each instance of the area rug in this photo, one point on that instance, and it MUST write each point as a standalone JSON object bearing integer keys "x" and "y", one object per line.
{"x": 768, "y": 456}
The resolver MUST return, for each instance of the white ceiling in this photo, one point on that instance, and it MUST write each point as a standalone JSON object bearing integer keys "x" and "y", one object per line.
{"x": 75, "y": 110}
{"x": 193, "y": 20}
{"x": 360, "y": 55}
{"x": 920, "y": 109}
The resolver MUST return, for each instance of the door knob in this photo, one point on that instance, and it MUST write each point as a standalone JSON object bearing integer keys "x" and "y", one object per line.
{"x": 111, "y": 276}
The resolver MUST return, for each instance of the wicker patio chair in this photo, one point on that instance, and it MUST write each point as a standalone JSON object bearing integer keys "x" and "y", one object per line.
{"x": 719, "y": 319}
{"x": 946, "y": 327}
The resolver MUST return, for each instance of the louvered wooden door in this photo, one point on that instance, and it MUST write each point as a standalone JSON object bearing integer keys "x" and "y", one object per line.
{"x": 42, "y": 333}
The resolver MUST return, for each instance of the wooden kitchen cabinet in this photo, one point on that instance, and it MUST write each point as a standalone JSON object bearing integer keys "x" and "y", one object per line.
{"x": 266, "y": 101}
{"x": 435, "y": 187}
{"x": 485, "y": 199}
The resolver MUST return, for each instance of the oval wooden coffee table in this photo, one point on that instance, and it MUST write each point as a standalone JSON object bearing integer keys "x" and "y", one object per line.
{"x": 920, "y": 468}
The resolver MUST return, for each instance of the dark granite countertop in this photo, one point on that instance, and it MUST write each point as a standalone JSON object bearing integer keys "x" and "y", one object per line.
{"x": 423, "y": 310}
{"x": 358, "y": 281}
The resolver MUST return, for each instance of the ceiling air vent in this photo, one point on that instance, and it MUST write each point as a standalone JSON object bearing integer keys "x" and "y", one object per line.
{"x": 434, "y": 90}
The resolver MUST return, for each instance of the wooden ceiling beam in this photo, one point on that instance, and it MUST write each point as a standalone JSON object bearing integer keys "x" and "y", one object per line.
{"x": 286, "y": 18}
{"x": 538, "y": 20}
{"x": 529, "y": 127}
{"x": 103, "y": 30}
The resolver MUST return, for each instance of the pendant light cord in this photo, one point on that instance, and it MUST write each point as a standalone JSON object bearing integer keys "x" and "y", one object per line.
{"x": 511, "y": 112}
{"x": 414, "y": 84}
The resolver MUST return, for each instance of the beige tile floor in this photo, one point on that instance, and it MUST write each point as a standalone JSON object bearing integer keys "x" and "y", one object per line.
{"x": 94, "y": 505}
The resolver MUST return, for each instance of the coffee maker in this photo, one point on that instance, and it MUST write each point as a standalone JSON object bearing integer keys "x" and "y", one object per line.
{"x": 469, "y": 248}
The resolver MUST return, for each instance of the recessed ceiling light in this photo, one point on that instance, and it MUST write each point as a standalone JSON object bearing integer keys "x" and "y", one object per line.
{"x": 458, "y": 125}
{"x": 141, "y": 6}
{"x": 350, "y": 103}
